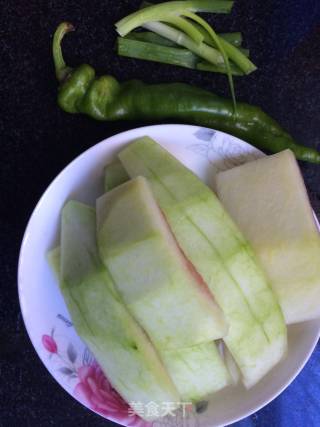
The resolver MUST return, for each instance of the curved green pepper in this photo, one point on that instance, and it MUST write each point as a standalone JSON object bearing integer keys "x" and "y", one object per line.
{"x": 104, "y": 98}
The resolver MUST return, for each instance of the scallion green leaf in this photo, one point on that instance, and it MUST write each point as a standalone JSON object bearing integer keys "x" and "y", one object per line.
{"x": 234, "y": 38}
{"x": 153, "y": 52}
{"x": 206, "y": 52}
{"x": 220, "y": 46}
{"x": 150, "y": 37}
{"x": 178, "y": 56}
{"x": 206, "y": 66}
{"x": 160, "y": 12}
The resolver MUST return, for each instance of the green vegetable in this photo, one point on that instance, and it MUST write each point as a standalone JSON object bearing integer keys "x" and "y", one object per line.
{"x": 120, "y": 346}
{"x": 157, "y": 53}
{"x": 234, "y": 38}
{"x": 173, "y": 13}
{"x": 221, "y": 48}
{"x": 104, "y": 98}
{"x": 184, "y": 26}
{"x": 177, "y": 56}
{"x": 244, "y": 51}
{"x": 161, "y": 11}
{"x": 62, "y": 71}
{"x": 204, "y": 51}
{"x": 227, "y": 43}
{"x": 168, "y": 55}
{"x": 238, "y": 56}
{"x": 233, "y": 53}
{"x": 150, "y": 51}
{"x": 206, "y": 66}
{"x": 150, "y": 37}
{"x": 219, "y": 253}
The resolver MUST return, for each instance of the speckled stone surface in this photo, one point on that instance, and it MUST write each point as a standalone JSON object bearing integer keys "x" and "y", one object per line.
{"x": 38, "y": 140}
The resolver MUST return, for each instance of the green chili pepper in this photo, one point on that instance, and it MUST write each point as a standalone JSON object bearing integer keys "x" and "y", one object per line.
{"x": 104, "y": 98}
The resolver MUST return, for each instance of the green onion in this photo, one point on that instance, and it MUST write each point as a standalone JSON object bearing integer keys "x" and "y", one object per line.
{"x": 185, "y": 26}
{"x": 232, "y": 52}
{"x": 206, "y": 52}
{"x": 219, "y": 53}
{"x": 220, "y": 45}
{"x": 233, "y": 38}
{"x": 236, "y": 55}
{"x": 160, "y": 12}
{"x": 245, "y": 52}
{"x": 152, "y": 52}
{"x": 206, "y": 66}
{"x": 150, "y": 37}
{"x": 168, "y": 55}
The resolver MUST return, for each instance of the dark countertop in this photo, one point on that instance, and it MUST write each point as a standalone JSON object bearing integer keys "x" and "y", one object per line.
{"x": 38, "y": 140}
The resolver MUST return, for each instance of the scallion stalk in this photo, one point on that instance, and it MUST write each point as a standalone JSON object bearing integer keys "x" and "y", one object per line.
{"x": 237, "y": 56}
{"x": 206, "y": 66}
{"x": 168, "y": 55}
{"x": 234, "y": 53}
{"x": 150, "y": 37}
{"x": 186, "y": 27}
{"x": 206, "y": 52}
{"x": 160, "y": 12}
{"x": 153, "y": 52}
{"x": 220, "y": 46}
{"x": 245, "y": 52}
{"x": 234, "y": 38}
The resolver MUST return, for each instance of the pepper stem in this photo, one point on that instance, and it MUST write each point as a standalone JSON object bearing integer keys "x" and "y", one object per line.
{"x": 62, "y": 70}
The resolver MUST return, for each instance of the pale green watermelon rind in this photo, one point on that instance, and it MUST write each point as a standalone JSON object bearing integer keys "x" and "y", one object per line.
{"x": 118, "y": 343}
{"x": 155, "y": 277}
{"x": 199, "y": 371}
{"x": 287, "y": 246}
{"x": 138, "y": 161}
{"x": 203, "y": 208}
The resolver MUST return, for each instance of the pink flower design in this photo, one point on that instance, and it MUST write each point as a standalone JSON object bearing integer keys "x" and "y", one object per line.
{"x": 95, "y": 391}
{"x": 49, "y": 344}
{"x": 93, "y": 388}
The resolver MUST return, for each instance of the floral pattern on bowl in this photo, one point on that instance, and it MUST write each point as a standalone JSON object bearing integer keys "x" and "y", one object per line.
{"x": 221, "y": 150}
{"x": 92, "y": 387}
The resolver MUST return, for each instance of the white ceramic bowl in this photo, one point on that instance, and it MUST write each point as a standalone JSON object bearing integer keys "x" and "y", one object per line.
{"x": 204, "y": 151}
